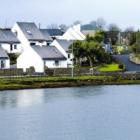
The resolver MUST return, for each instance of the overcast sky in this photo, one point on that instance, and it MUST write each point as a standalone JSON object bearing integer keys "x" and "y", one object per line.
{"x": 123, "y": 12}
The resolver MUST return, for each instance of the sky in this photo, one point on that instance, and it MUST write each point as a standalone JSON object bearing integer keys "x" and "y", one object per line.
{"x": 124, "y": 13}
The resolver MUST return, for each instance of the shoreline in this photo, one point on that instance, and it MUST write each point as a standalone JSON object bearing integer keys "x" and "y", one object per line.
{"x": 22, "y": 83}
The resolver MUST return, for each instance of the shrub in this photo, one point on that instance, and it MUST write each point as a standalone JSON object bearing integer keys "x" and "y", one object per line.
{"x": 121, "y": 66}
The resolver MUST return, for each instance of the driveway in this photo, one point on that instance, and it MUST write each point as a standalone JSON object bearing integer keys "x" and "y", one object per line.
{"x": 124, "y": 59}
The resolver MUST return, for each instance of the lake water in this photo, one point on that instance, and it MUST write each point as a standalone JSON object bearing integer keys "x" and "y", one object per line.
{"x": 82, "y": 113}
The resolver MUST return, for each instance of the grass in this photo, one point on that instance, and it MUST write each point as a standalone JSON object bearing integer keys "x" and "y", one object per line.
{"x": 52, "y": 82}
{"x": 109, "y": 68}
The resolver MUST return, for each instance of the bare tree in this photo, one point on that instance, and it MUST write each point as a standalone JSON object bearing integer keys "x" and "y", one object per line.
{"x": 114, "y": 27}
{"x": 129, "y": 29}
{"x": 53, "y": 26}
{"x": 63, "y": 27}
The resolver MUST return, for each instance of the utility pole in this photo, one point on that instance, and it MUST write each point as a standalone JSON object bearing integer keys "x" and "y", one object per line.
{"x": 72, "y": 70}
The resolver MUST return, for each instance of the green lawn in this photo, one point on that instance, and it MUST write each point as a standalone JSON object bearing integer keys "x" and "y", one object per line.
{"x": 109, "y": 68}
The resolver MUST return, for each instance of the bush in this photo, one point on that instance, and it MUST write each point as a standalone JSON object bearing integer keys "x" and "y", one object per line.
{"x": 121, "y": 66}
{"x": 31, "y": 70}
{"x": 13, "y": 58}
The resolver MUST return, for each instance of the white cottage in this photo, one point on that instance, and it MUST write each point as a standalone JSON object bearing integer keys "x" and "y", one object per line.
{"x": 4, "y": 59}
{"x": 73, "y": 33}
{"x": 29, "y": 34}
{"x": 63, "y": 47}
{"x": 9, "y": 42}
{"x": 41, "y": 57}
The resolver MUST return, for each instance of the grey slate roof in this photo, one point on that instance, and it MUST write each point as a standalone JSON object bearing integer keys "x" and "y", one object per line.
{"x": 3, "y": 54}
{"x": 31, "y": 31}
{"x": 55, "y": 32}
{"x": 48, "y": 53}
{"x": 46, "y": 34}
{"x": 6, "y": 36}
{"x": 65, "y": 44}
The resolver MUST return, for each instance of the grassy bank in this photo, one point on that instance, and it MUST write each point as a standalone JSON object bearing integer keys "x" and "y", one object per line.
{"x": 52, "y": 82}
{"x": 109, "y": 68}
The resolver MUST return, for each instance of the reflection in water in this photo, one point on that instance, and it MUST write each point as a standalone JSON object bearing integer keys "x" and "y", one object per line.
{"x": 84, "y": 113}
{"x": 25, "y": 98}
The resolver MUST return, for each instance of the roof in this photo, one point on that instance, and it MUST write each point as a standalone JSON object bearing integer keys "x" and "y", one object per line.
{"x": 3, "y": 53}
{"x": 55, "y": 32}
{"x": 31, "y": 31}
{"x": 48, "y": 53}
{"x": 65, "y": 44}
{"x": 6, "y": 36}
{"x": 46, "y": 34}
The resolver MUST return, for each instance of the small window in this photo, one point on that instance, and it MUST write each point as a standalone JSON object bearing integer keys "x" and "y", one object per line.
{"x": 48, "y": 44}
{"x": 2, "y": 64}
{"x": 15, "y": 47}
{"x": 56, "y": 63}
{"x": 11, "y": 47}
{"x": 32, "y": 44}
{"x": 68, "y": 55}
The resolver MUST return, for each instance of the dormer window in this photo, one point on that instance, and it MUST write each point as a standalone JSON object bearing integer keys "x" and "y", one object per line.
{"x": 29, "y": 32}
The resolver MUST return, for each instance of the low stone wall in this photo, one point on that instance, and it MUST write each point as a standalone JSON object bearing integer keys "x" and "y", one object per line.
{"x": 134, "y": 59}
{"x": 11, "y": 72}
{"x": 68, "y": 71}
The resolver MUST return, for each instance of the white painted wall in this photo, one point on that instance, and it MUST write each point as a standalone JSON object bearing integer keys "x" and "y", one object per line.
{"x": 7, "y": 47}
{"x": 73, "y": 33}
{"x": 30, "y": 58}
{"x": 20, "y": 35}
{"x": 22, "y": 38}
{"x": 60, "y": 48}
{"x": 6, "y": 63}
{"x": 51, "y": 64}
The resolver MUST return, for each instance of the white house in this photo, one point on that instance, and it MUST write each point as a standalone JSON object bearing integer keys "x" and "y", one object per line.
{"x": 73, "y": 33}
{"x": 29, "y": 34}
{"x": 4, "y": 59}
{"x": 63, "y": 47}
{"x": 41, "y": 57}
{"x": 9, "y": 42}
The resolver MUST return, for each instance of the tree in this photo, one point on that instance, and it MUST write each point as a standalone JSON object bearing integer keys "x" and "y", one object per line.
{"x": 113, "y": 27}
{"x": 91, "y": 50}
{"x": 64, "y": 27}
{"x": 98, "y": 37}
{"x": 113, "y": 33}
{"x": 130, "y": 36}
{"x": 101, "y": 23}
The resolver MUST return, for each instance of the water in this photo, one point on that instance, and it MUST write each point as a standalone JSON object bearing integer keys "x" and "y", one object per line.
{"x": 83, "y": 113}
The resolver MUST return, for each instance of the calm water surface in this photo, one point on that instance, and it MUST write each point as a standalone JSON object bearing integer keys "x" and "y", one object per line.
{"x": 84, "y": 113}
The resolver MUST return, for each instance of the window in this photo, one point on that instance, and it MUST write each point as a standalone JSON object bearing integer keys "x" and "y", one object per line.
{"x": 32, "y": 44}
{"x": 68, "y": 55}
{"x": 11, "y": 47}
{"x": 15, "y": 47}
{"x": 2, "y": 64}
{"x": 56, "y": 63}
{"x": 48, "y": 44}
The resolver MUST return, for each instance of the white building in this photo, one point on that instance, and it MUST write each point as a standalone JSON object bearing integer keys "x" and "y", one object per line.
{"x": 9, "y": 42}
{"x": 29, "y": 34}
{"x": 4, "y": 59}
{"x": 37, "y": 52}
{"x": 73, "y": 33}
{"x": 41, "y": 57}
{"x": 63, "y": 47}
